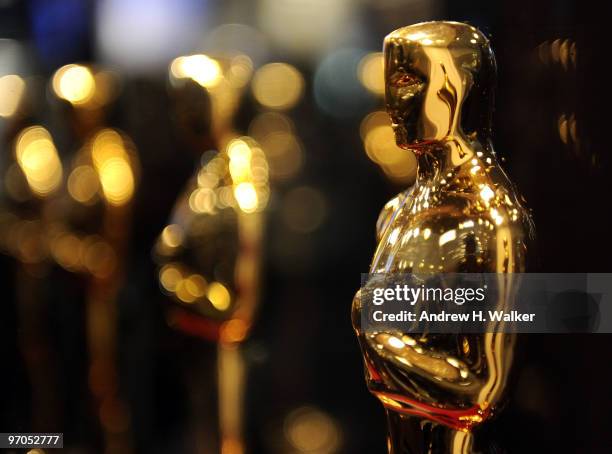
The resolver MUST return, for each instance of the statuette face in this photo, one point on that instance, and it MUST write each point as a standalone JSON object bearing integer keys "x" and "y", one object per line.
{"x": 463, "y": 215}
{"x": 431, "y": 71}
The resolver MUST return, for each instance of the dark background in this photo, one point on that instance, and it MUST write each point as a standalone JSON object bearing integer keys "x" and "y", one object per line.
{"x": 551, "y": 127}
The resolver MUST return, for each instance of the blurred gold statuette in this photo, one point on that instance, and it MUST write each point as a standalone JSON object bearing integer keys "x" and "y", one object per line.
{"x": 462, "y": 215}
{"x": 209, "y": 254}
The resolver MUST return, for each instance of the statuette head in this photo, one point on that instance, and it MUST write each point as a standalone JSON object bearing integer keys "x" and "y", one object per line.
{"x": 439, "y": 79}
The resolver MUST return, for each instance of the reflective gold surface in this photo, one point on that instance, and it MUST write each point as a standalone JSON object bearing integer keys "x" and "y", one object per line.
{"x": 72, "y": 207}
{"x": 462, "y": 215}
{"x": 209, "y": 254}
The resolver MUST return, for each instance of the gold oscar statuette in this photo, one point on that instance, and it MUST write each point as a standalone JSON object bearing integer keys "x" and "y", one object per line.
{"x": 209, "y": 255}
{"x": 462, "y": 215}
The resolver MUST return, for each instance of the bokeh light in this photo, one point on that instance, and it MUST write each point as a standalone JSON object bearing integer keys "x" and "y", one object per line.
{"x": 184, "y": 292}
{"x": 283, "y": 149}
{"x": 203, "y": 200}
{"x": 379, "y": 142}
{"x": 74, "y": 83}
{"x": 371, "y": 73}
{"x": 285, "y": 154}
{"x": 234, "y": 330}
{"x": 310, "y": 430}
{"x": 11, "y": 91}
{"x": 249, "y": 171}
{"x": 219, "y": 296}
{"x": 116, "y": 180}
{"x": 278, "y": 86}
{"x": 201, "y": 68}
{"x": 240, "y": 155}
{"x": 246, "y": 196}
{"x": 240, "y": 71}
{"x": 172, "y": 235}
{"x": 169, "y": 276}
{"x": 114, "y": 168}
{"x": 38, "y": 159}
{"x": 83, "y": 184}
{"x": 81, "y": 254}
{"x": 268, "y": 123}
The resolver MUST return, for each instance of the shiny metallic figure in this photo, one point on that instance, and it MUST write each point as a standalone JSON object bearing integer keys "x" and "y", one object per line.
{"x": 462, "y": 215}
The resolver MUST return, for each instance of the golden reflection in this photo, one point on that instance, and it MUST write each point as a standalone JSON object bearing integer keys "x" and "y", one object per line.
{"x": 184, "y": 292}
{"x": 218, "y": 213}
{"x": 114, "y": 167}
{"x": 234, "y": 330}
{"x": 202, "y": 69}
{"x": 203, "y": 200}
{"x": 169, "y": 276}
{"x": 285, "y": 154}
{"x": 559, "y": 51}
{"x": 232, "y": 446}
{"x": 74, "y": 83}
{"x": 188, "y": 288}
{"x": 11, "y": 91}
{"x": 283, "y": 149}
{"x": 116, "y": 180}
{"x": 240, "y": 154}
{"x": 268, "y": 123}
{"x": 249, "y": 172}
{"x": 566, "y": 125}
{"x": 196, "y": 285}
{"x": 246, "y": 196}
{"x": 240, "y": 71}
{"x": 278, "y": 86}
{"x": 219, "y": 296}
{"x": 462, "y": 215}
{"x": 83, "y": 184}
{"x": 104, "y": 166}
{"x": 172, "y": 235}
{"x": 224, "y": 78}
{"x": 89, "y": 254}
{"x": 38, "y": 159}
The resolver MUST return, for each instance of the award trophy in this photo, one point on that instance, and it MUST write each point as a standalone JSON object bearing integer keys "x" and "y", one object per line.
{"x": 209, "y": 253}
{"x": 68, "y": 224}
{"x": 462, "y": 215}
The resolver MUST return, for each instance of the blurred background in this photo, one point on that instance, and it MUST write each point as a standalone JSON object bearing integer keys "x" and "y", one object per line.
{"x": 149, "y": 149}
